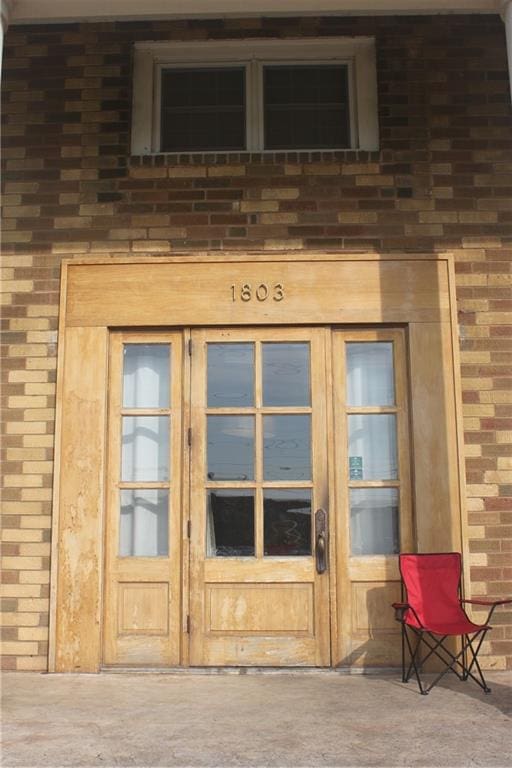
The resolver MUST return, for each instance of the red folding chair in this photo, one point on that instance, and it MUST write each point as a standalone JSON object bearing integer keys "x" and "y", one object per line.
{"x": 431, "y": 611}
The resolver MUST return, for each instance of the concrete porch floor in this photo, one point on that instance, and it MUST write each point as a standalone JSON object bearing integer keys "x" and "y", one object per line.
{"x": 310, "y": 718}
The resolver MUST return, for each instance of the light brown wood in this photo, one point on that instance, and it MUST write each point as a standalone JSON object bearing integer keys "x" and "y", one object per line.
{"x": 59, "y": 400}
{"x": 434, "y": 431}
{"x": 194, "y": 294}
{"x": 143, "y": 608}
{"x": 142, "y": 616}
{"x": 325, "y": 289}
{"x": 185, "y": 500}
{"x": 244, "y": 609}
{"x": 375, "y": 635}
{"x": 257, "y": 610}
{"x": 458, "y": 407}
{"x": 80, "y": 537}
{"x": 366, "y": 582}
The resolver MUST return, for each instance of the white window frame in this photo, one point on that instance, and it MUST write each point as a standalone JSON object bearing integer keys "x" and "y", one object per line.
{"x": 358, "y": 53}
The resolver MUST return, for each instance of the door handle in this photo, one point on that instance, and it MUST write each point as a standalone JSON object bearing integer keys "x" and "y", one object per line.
{"x": 321, "y": 540}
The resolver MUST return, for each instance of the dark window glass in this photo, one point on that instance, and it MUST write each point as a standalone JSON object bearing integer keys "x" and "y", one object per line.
{"x": 306, "y": 107}
{"x": 230, "y": 523}
{"x": 203, "y": 109}
{"x": 287, "y": 522}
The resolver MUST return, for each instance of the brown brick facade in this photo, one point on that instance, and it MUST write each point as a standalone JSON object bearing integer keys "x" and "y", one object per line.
{"x": 441, "y": 181}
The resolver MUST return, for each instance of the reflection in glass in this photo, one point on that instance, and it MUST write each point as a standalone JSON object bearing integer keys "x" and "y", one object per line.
{"x": 144, "y": 526}
{"x": 374, "y": 521}
{"x": 230, "y": 523}
{"x": 287, "y": 447}
{"x": 146, "y": 376}
{"x": 287, "y": 522}
{"x": 145, "y": 450}
{"x": 230, "y": 448}
{"x": 372, "y": 447}
{"x": 230, "y": 375}
{"x": 286, "y": 374}
{"x": 370, "y": 379}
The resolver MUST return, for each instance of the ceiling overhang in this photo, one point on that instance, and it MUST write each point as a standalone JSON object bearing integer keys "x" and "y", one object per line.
{"x": 58, "y": 11}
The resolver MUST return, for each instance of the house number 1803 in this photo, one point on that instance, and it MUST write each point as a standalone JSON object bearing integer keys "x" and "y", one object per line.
{"x": 261, "y": 292}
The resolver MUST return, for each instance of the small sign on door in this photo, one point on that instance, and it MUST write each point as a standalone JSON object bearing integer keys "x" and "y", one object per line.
{"x": 355, "y": 465}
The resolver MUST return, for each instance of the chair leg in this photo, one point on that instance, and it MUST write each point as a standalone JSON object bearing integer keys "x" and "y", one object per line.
{"x": 455, "y": 660}
{"x": 452, "y": 662}
{"x": 464, "y": 659}
{"x": 413, "y": 665}
{"x": 474, "y": 661}
{"x": 404, "y": 680}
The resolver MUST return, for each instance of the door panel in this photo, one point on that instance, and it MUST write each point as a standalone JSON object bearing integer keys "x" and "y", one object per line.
{"x": 143, "y": 536}
{"x": 372, "y": 473}
{"x": 258, "y": 473}
{"x": 215, "y": 538}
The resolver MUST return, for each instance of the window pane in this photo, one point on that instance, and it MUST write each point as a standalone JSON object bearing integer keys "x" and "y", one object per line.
{"x": 370, "y": 378}
{"x": 144, "y": 526}
{"x": 230, "y": 448}
{"x": 287, "y": 524}
{"x": 306, "y": 107}
{"x": 286, "y": 374}
{"x": 287, "y": 447}
{"x": 230, "y": 523}
{"x": 372, "y": 447}
{"x": 230, "y": 375}
{"x": 145, "y": 451}
{"x": 374, "y": 521}
{"x": 146, "y": 376}
{"x": 203, "y": 109}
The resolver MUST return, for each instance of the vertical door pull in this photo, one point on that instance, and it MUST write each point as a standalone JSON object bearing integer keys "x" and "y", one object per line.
{"x": 321, "y": 540}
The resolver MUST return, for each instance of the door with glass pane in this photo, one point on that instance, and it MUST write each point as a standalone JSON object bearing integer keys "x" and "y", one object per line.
{"x": 259, "y": 568}
{"x": 142, "y": 569}
{"x": 372, "y": 489}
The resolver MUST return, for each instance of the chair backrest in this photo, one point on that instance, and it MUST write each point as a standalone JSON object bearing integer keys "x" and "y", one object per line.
{"x": 432, "y": 583}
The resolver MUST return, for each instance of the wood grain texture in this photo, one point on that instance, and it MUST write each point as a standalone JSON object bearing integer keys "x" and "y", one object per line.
{"x": 80, "y": 572}
{"x": 364, "y": 580}
{"x": 434, "y": 432}
{"x": 142, "y": 613}
{"x": 284, "y": 596}
{"x": 195, "y": 293}
{"x": 350, "y": 602}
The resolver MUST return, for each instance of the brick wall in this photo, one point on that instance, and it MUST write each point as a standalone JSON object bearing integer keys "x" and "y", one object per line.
{"x": 442, "y": 180}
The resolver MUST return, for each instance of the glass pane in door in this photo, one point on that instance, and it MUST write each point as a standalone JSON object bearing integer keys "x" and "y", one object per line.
{"x": 287, "y": 447}
{"x": 145, "y": 451}
{"x": 374, "y": 526}
{"x": 370, "y": 376}
{"x": 230, "y": 523}
{"x": 372, "y": 446}
{"x": 230, "y": 375}
{"x": 287, "y": 521}
{"x": 144, "y": 523}
{"x": 285, "y": 374}
{"x": 146, "y": 375}
{"x": 230, "y": 448}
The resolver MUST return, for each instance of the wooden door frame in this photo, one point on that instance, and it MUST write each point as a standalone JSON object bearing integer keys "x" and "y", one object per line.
{"x": 259, "y": 572}
{"x": 416, "y": 291}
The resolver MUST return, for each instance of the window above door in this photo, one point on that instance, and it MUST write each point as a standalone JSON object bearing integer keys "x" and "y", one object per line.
{"x": 255, "y": 96}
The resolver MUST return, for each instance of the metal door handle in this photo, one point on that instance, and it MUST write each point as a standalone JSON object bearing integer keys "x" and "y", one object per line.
{"x": 321, "y": 540}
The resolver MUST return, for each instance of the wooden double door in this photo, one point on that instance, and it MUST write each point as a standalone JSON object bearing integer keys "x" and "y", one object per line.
{"x": 219, "y": 515}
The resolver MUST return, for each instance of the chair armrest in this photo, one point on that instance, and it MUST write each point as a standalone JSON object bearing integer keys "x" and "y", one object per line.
{"x": 478, "y": 601}
{"x": 400, "y": 609}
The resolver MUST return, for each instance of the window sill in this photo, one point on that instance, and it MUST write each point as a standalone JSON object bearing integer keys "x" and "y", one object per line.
{"x": 269, "y": 157}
